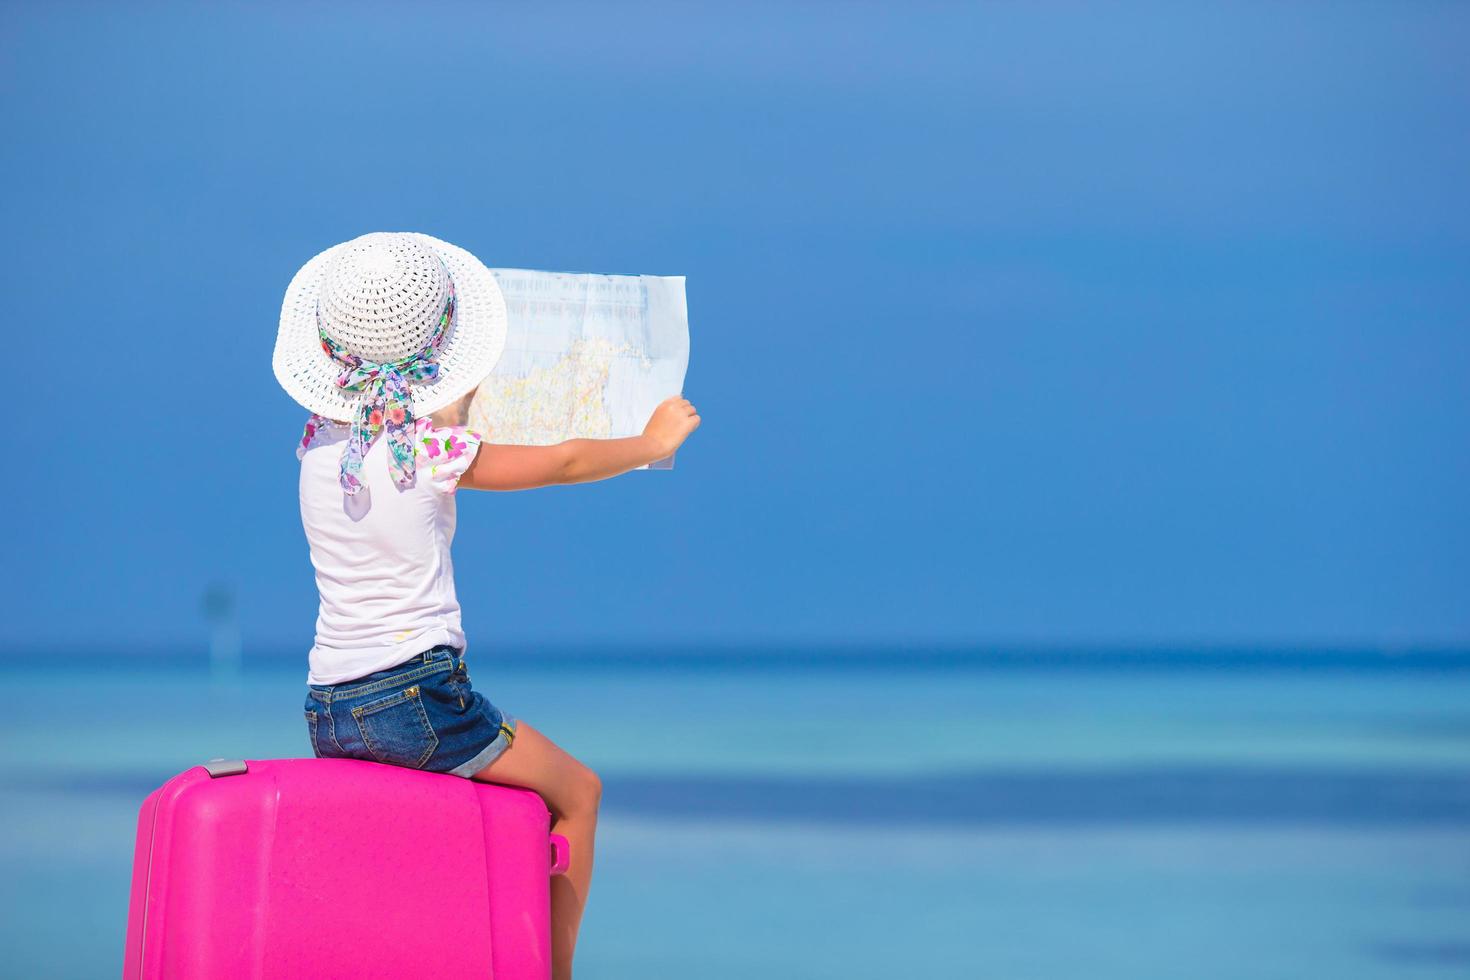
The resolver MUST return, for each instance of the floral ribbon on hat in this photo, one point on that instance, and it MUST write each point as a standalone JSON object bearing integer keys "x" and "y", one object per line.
{"x": 387, "y": 402}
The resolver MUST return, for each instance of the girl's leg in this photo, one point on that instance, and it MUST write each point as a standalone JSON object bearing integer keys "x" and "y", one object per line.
{"x": 572, "y": 793}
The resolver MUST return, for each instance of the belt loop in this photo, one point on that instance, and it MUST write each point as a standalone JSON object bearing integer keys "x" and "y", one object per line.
{"x": 427, "y": 656}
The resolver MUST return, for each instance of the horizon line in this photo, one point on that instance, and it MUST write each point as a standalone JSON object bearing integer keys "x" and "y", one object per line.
{"x": 834, "y": 655}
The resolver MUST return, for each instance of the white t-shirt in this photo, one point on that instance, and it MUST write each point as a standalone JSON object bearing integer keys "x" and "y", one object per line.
{"x": 381, "y": 555}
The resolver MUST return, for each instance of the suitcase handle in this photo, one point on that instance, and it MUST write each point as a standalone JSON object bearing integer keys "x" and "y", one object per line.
{"x": 561, "y": 854}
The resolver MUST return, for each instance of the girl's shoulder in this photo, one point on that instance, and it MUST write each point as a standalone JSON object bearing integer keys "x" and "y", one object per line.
{"x": 319, "y": 430}
{"x": 447, "y": 450}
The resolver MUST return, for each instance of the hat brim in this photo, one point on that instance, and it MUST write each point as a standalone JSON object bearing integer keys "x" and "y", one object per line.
{"x": 469, "y": 352}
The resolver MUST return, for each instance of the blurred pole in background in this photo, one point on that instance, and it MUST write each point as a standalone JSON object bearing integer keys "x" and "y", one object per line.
{"x": 224, "y": 633}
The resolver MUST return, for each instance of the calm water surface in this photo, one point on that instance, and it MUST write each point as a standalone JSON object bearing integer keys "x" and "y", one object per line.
{"x": 866, "y": 823}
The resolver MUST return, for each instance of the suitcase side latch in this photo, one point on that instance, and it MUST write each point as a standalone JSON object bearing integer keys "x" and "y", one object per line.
{"x": 224, "y": 767}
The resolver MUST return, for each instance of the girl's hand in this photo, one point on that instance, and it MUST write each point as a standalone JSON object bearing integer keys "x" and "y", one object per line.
{"x": 670, "y": 425}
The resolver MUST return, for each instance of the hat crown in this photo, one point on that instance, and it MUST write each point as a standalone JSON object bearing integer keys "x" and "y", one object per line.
{"x": 382, "y": 295}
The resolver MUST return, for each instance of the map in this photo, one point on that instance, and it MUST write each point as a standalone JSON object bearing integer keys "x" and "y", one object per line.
{"x": 586, "y": 357}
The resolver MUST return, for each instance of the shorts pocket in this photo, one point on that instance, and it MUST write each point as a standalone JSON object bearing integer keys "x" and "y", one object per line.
{"x": 311, "y": 730}
{"x": 396, "y": 729}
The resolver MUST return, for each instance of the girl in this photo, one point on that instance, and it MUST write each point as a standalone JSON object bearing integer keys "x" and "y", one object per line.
{"x": 383, "y": 339}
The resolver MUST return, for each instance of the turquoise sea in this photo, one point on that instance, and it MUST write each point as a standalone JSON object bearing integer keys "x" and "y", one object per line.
{"x": 1072, "y": 816}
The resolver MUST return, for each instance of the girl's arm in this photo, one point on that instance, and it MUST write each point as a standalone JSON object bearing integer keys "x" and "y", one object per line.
{"x": 498, "y": 467}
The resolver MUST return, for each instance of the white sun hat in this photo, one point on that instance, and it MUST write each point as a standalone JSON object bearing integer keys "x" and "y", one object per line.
{"x": 381, "y": 297}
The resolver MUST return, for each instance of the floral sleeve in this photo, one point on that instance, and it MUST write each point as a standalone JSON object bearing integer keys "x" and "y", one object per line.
{"x": 449, "y": 450}
{"x": 314, "y": 424}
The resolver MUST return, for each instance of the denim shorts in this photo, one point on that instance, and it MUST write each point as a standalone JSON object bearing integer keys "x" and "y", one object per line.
{"x": 421, "y": 714}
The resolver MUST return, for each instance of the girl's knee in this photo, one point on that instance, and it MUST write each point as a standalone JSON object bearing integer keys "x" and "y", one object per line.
{"x": 586, "y": 791}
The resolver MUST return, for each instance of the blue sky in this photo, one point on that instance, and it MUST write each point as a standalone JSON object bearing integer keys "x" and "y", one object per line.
{"x": 1011, "y": 323}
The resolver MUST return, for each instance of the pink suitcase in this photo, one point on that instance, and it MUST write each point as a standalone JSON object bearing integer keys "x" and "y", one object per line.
{"x": 326, "y": 868}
